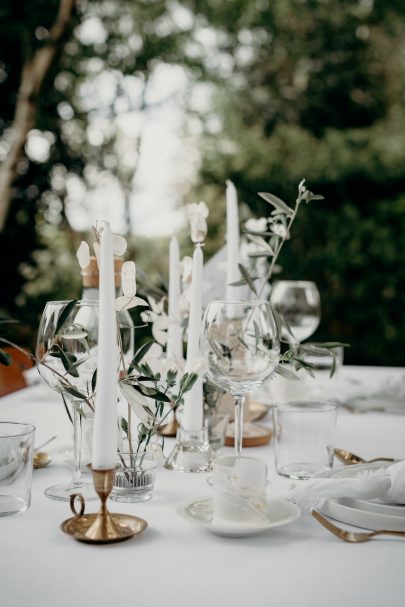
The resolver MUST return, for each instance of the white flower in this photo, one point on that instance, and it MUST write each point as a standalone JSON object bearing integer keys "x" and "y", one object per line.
{"x": 159, "y": 319}
{"x": 83, "y": 255}
{"x": 280, "y": 230}
{"x": 256, "y": 225}
{"x": 128, "y": 281}
{"x": 119, "y": 245}
{"x": 197, "y": 215}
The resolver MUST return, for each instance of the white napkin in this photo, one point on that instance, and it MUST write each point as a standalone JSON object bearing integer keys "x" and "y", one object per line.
{"x": 386, "y": 484}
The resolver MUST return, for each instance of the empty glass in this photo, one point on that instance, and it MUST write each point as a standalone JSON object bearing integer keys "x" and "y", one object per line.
{"x": 299, "y": 303}
{"x": 240, "y": 345}
{"x": 16, "y": 451}
{"x": 304, "y": 435}
{"x": 66, "y": 353}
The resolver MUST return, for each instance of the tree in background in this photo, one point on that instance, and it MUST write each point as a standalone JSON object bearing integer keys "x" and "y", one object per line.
{"x": 290, "y": 89}
{"x": 316, "y": 89}
{"x": 97, "y": 69}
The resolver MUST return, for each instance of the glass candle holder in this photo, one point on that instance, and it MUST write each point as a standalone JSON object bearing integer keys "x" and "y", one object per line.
{"x": 135, "y": 477}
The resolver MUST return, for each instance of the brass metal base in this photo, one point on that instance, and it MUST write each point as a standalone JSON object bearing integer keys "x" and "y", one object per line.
{"x": 124, "y": 527}
{"x": 101, "y": 527}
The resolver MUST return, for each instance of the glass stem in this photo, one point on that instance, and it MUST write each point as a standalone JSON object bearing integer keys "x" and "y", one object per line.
{"x": 239, "y": 401}
{"x": 77, "y": 446}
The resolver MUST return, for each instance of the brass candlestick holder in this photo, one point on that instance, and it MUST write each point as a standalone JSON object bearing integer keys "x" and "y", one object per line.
{"x": 102, "y": 527}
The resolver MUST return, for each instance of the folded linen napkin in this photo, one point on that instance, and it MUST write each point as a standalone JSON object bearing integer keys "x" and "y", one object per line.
{"x": 387, "y": 484}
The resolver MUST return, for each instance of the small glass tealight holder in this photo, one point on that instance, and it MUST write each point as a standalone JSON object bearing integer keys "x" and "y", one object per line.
{"x": 135, "y": 476}
{"x": 192, "y": 452}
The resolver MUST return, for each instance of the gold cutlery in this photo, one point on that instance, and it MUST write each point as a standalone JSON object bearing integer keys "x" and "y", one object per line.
{"x": 353, "y": 537}
{"x": 41, "y": 459}
{"x": 351, "y": 458}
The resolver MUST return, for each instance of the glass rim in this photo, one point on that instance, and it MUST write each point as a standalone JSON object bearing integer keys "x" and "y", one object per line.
{"x": 311, "y": 406}
{"x": 30, "y": 429}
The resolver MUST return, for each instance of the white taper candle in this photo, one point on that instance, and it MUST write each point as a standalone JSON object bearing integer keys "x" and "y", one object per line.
{"x": 174, "y": 333}
{"x": 232, "y": 242}
{"x": 104, "y": 454}
{"x": 193, "y": 400}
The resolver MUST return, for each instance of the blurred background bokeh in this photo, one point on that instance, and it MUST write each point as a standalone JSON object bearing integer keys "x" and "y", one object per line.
{"x": 127, "y": 110}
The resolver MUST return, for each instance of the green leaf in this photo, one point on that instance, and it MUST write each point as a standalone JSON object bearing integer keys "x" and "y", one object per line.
{"x": 124, "y": 425}
{"x": 281, "y": 322}
{"x": 249, "y": 280}
{"x": 140, "y": 354}
{"x": 66, "y": 408}
{"x": 276, "y": 202}
{"x": 73, "y": 391}
{"x": 286, "y": 373}
{"x": 65, "y": 314}
{"x": 187, "y": 382}
{"x": 261, "y": 254}
{"x": 5, "y": 359}
{"x": 68, "y": 361}
{"x": 94, "y": 381}
{"x": 333, "y": 367}
{"x": 329, "y": 344}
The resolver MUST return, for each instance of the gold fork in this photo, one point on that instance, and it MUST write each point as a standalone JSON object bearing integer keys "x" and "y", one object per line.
{"x": 352, "y": 536}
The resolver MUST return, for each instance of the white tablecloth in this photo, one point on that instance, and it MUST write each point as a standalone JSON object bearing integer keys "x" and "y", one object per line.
{"x": 175, "y": 563}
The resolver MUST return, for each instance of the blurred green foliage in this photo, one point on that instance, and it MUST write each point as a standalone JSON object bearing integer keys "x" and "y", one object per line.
{"x": 297, "y": 88}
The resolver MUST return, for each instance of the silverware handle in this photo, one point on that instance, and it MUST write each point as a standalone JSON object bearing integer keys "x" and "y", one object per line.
{"x": 381, "y": 459}
{"x": 387, "y": 532}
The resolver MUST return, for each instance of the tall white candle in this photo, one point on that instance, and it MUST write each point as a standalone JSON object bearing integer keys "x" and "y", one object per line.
{"x": 105, "y": 418}
{"x": 193, "y": 400}
{"x": 174, "y": 333}
{"x": 232, "y": 242}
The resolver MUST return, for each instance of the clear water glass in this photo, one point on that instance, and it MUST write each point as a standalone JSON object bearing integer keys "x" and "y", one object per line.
{"x": 239, "y": 342}
{"x": 304, "y": 436}
{"x": 16, "y": 452}
{"x": 299, "y": 303}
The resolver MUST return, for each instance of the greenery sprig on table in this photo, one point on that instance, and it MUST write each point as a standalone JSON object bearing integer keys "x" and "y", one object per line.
{"x": 269, "y": 242}
{"x": 161, "y": 395}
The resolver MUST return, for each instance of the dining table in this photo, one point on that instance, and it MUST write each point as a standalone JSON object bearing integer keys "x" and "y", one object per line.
{"x": 175, "y": 563}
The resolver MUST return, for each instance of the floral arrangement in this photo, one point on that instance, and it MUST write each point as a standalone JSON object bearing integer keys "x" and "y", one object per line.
{"x": 266, "y": 237}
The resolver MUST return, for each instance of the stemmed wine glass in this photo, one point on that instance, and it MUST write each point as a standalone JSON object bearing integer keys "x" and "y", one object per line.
{"x": 299, "y": 303}
{"x": 240, "y": 344}
{"x": 66, "y": 355}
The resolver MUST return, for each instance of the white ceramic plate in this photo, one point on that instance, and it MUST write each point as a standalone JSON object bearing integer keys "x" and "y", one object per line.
{"x": 368, "y": 514}
{"x": 200, "y": 512}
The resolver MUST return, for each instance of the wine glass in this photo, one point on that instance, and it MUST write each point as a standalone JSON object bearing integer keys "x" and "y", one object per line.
{"x": 66, "y": 355}
{"x": 240, "y": 344}
{"x": 298, "y": 302}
